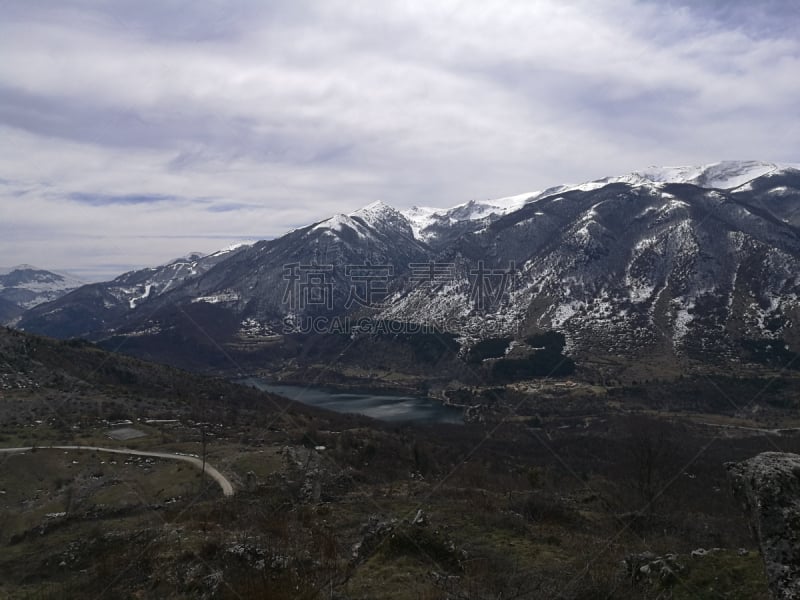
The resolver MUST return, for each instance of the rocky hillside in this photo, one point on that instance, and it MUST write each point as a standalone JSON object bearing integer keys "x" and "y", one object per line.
{"x": 690, "y": 263}
{"x": 97, "y": 307}
{"x": 767, "y": 485}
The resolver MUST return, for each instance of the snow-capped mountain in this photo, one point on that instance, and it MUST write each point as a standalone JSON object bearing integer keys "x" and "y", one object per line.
{"x": 265, "y": 283}
{"x": 432, "y": 224}
{"x": 658, "y": 267}
{"x": 427, "y": 222}
{"x": 25, "y": 286}
{"x": 725, "y": 175}
{"x": 135, "y": 286}
{"x": 377, "y": 216}
{"x": 97, "y": 306}
{"x": 697, "y": 262}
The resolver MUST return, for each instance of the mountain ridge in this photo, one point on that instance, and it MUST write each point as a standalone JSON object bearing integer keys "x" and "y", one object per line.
{"x": 25, "y": 286}
{"x": 623, "y": 266}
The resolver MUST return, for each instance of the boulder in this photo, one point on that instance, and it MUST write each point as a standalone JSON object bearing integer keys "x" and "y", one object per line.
{"x": 768, "y": 486}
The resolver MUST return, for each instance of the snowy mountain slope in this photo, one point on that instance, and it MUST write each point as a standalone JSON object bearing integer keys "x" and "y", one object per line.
{"x": 724, "y": 175}
{"x": 136, "y": 286}
{"x": 776, "y": 193}
{"x": 683, "y": 261}
{"x": 98, "y": 306}
{"x": 425, "y": 221}
{"x": 269, "y": 281}
{"x": 250, "y": 282}
{"x": 28, "y": 286}
{"x": 668, "y": 267}
{"x": 367, "y": 223}
{"x": 435, "y": 224}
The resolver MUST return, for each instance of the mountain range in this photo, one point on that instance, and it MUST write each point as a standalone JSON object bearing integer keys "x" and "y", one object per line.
{"x": 25, "y": 286}
{"x": 679, "y": 263}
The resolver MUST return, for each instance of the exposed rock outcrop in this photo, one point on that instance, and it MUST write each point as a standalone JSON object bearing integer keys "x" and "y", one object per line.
{"x": 651, "y": 568}
{"x": 768, "y": 485}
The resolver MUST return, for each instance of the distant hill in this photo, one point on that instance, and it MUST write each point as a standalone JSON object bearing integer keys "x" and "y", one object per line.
{"x": 75, "y": 379}
{"x": 25, "y": 286}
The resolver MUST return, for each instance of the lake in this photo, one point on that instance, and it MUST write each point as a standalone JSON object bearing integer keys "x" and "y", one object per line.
{"x": 386, "y": 407}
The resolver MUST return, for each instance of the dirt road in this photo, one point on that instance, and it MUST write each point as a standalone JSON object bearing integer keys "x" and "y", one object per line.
{"x": 227, "y": 488}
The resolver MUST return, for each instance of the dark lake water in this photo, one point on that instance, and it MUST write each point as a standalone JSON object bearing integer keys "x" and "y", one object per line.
{"x": 386, "y": 407}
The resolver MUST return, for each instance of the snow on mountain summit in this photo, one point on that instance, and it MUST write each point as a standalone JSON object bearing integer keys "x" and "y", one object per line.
{"x": 337, "y": 223}
{"x": 426, "y": 222}
{"x": 376, "y": 209}
{"x": 619, "y": 264}
{"x": 28, "y": 286}
{"x": 231, "y": 248}
{"x": 422, "y": 218}
{"x": 376, "y": 216}
{"x": 727, "y": 174}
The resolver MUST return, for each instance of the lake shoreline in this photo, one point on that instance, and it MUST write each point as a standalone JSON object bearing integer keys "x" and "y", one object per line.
{"x": 388, "y": 405}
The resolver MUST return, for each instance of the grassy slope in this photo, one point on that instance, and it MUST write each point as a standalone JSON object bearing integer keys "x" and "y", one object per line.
{"x": 509, "y": 510}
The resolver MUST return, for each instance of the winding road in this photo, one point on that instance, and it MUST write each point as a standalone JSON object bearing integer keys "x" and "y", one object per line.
{"x": 227, "y": 488}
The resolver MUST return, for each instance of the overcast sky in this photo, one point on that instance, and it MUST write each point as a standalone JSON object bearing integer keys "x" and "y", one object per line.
{"x": 134, "y": 132}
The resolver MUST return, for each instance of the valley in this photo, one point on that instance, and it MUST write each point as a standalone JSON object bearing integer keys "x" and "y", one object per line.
{"x": 405, "y": 300}
{"x": 530, "y": 397}
{"x": 549, "y": 487}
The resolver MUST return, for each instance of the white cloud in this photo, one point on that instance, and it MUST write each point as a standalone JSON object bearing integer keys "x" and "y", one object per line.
{"x": 286, "y": 113}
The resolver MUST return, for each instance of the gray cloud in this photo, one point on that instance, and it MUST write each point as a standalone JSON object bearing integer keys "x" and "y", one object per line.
{"x": 226, "y": 121}
{"x": 763, "y": 19}
{"x": 106, "y": 199}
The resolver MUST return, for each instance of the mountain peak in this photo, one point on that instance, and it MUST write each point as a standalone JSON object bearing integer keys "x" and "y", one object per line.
{"x": 27, "y": 286}
{"x": 624, "y": 268}
{"x": 372, "y": 206}
{"x": 422, "y": 218}
{"x": 375, "y": 210}
{"x": 21, "y": 267}
{"x": 726, "y": 174}
{"x": 28, "y": 270}
{"x": 375, "y": 219}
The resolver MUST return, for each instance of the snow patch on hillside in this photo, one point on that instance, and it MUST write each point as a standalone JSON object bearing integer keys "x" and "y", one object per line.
{"x": 134, "y": 301}
{"x": 228, "y": 296}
